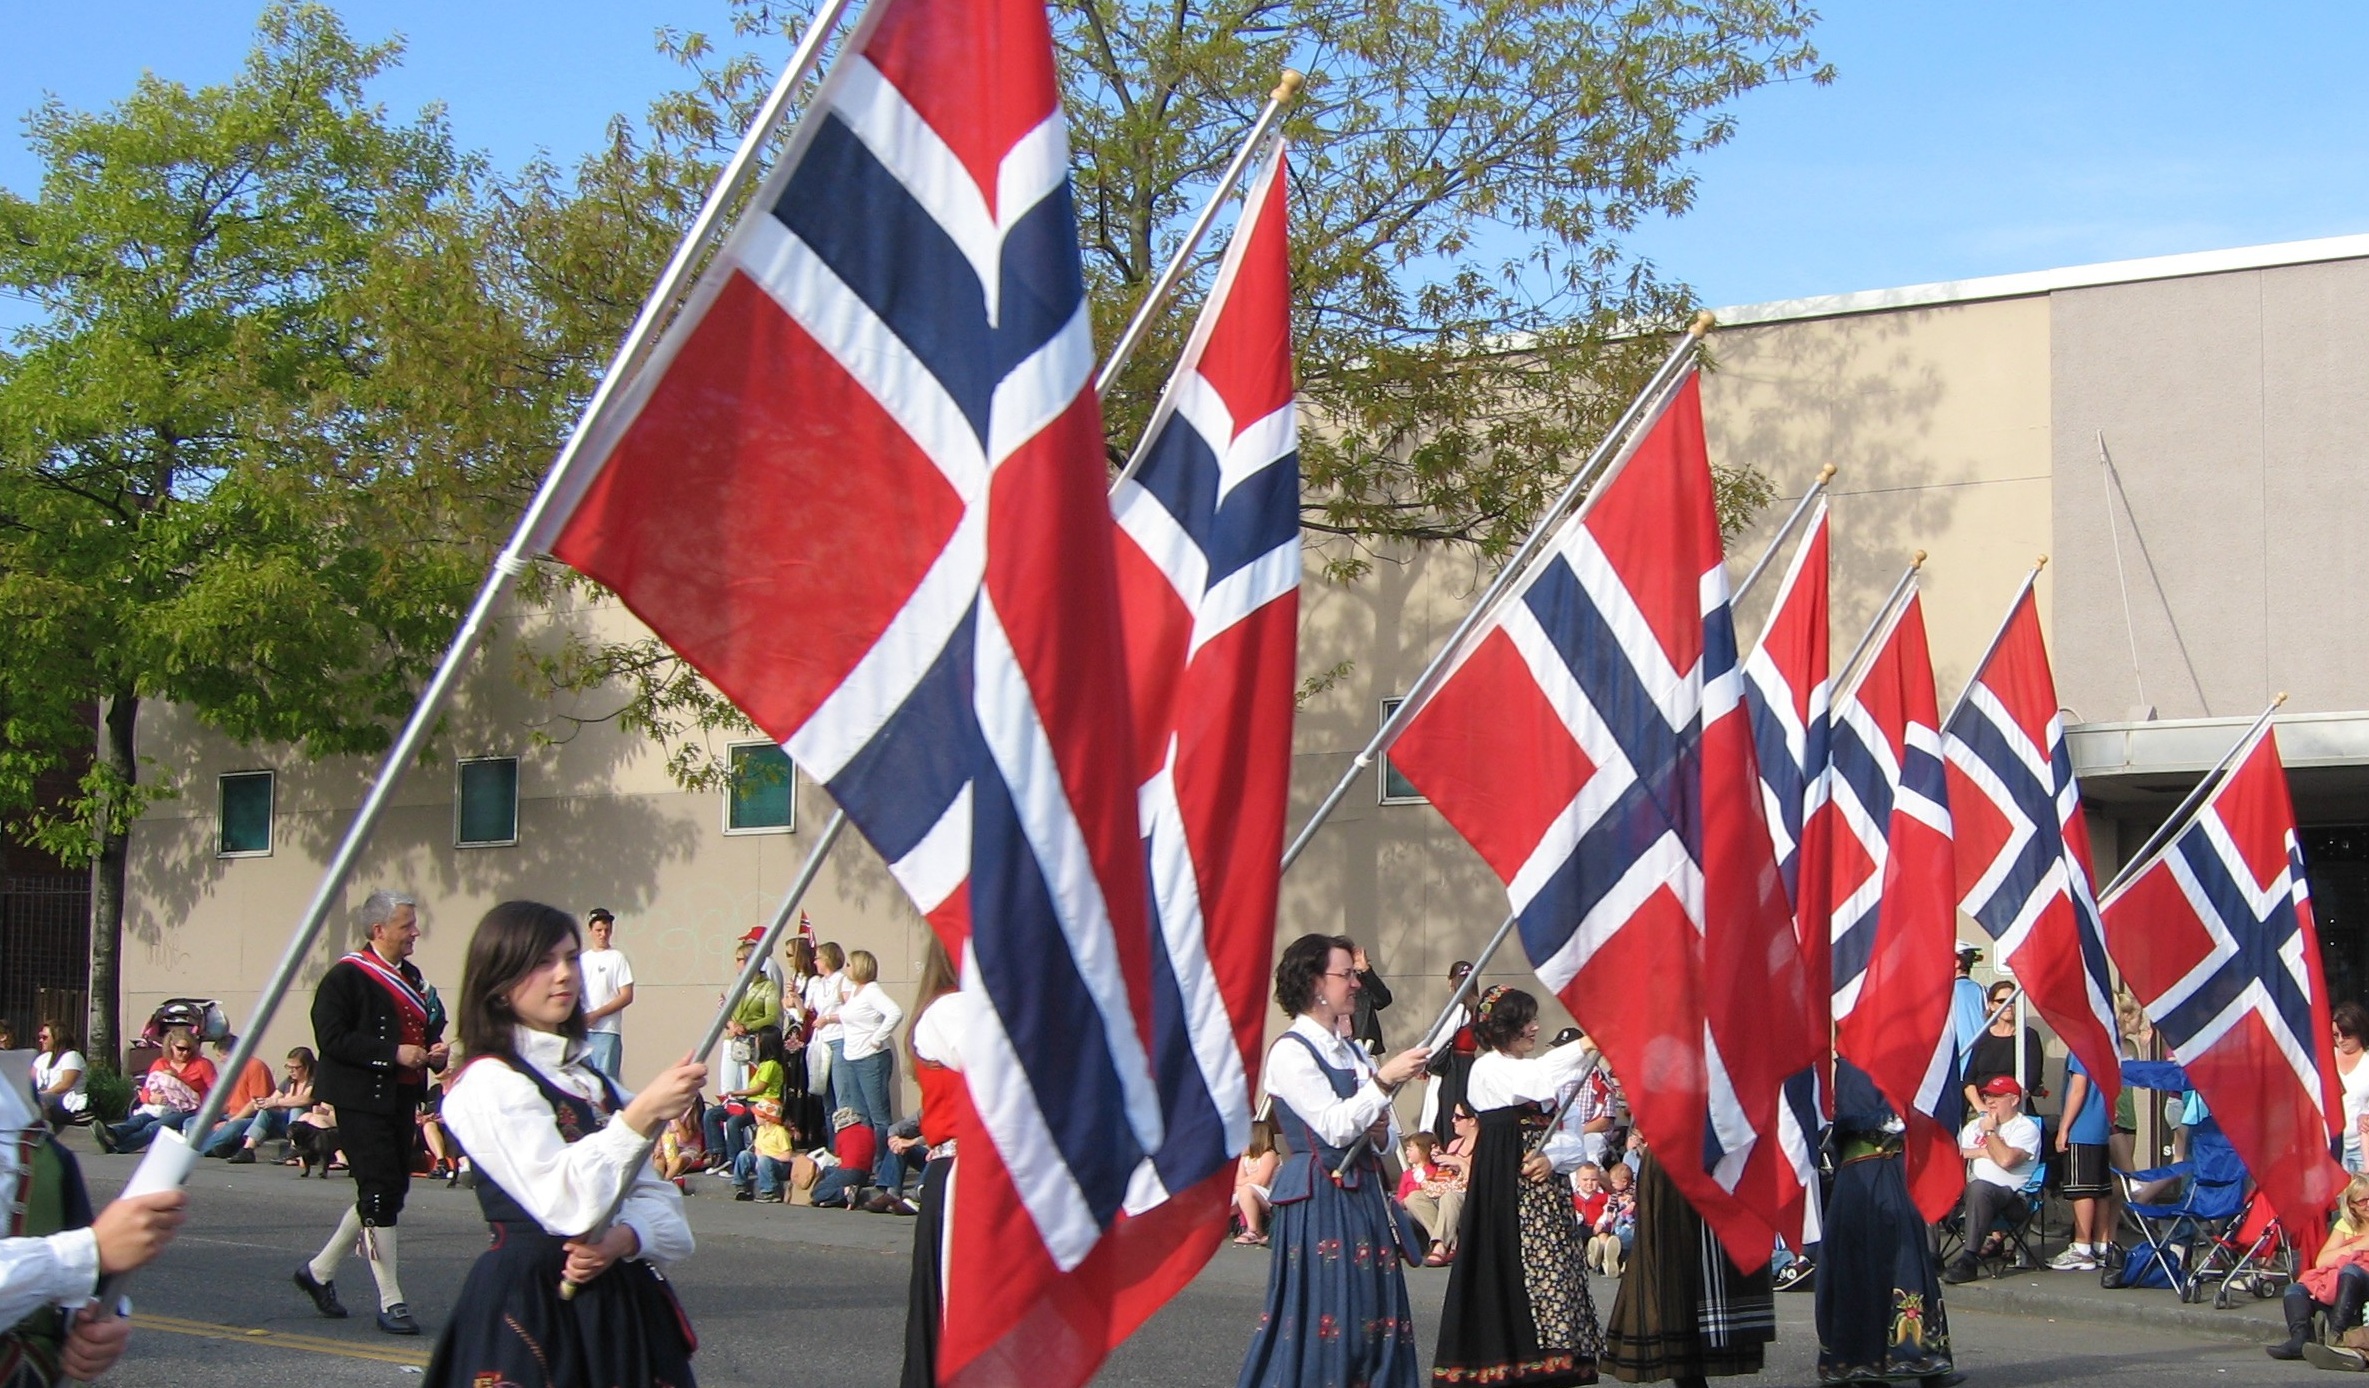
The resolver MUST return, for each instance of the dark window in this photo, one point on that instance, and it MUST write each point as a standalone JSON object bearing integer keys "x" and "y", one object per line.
{"x": 2336, "y": 860}
{"x": 246, "y": 813}
{"x": 762, "y": 782}
{"x": 488, "y": 812}
{"x": 1396, "y": 789}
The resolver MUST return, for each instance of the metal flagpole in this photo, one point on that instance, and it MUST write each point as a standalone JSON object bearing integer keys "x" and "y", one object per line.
{"x": 1777, "y": 541}
{"x": 169, "y": 1159}
{"x": 1884, "y": 616}
{"x": 762, "y": 951}
{"x": 1464, "y": 987}
{"x": 1996, "y": 637}
{"x": 1614, "y": 447}
{"x": 2171, "y": 827}
{"x": 1287, "y": 90}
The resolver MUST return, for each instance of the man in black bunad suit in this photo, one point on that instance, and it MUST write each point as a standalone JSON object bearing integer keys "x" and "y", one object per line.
{"x": 379, "y": 1028}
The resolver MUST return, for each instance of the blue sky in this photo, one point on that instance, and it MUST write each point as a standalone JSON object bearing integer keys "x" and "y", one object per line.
{"x": 1959, "y": 140}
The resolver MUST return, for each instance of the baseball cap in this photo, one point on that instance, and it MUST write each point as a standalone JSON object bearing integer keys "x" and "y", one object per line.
{"x": 756, "y": 933}
{"x": 1969, "y": 952}
{"x": 2001, "y": 1084}
{"x": 602, "y": 913}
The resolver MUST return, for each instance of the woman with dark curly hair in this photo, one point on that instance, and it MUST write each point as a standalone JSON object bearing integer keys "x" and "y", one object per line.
{"x": 1518, "y": 1309}
{"x": 1336, "y": 1308}
{"x": 554, "y": 1141}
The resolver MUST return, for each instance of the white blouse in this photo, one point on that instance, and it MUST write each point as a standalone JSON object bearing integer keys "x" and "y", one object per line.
{"x": 1294, "y": 1078}
{"x": 506, "y": 1126}
{"x": 869, "y": 1020}
{"x": 823, "y": 995}
{"x": 1551, "y": 1078}
{"x": 56, "y": 1270}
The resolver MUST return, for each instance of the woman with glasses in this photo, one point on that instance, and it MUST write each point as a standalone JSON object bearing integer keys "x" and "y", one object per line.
{"x": 61, "y": 1076}
{"x": 169, "y": 1095}
{"x": 1518, "y": 1309}
{"x": 1336, "y": 1308}
{"x": 1993, "y": 1052}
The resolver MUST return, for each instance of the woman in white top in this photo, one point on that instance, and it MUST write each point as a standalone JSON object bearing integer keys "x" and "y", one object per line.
{"x": 824, "y": 993}
{"x": 554, "y": 1141}
{"x": 866, "y": 1065}
{"x": 61, "y": 1076}
{"x": 1518, "y": 1309}
{"x": 2352, "y": 1072}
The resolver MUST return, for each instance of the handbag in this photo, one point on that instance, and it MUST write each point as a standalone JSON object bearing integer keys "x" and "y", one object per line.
{"x": 744, "y": 1050}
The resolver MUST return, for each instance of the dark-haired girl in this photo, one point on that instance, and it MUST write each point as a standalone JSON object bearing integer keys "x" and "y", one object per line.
{"x": 1518, "y": 1309}
{"x": 1336, "y": 1308}
{"x": 553, "y": 1141}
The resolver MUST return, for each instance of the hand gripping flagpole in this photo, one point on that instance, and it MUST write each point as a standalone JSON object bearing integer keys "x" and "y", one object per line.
{"x": 169, "y": 1161}
{"x": 1996, "y": 637}
{"x": 1287, "y": 90}
{"x": 2178, "y": 820}
{"x": 1615, "y": 446}
{"x": 762, "y": 951}
{"x": 1784, "y": 532}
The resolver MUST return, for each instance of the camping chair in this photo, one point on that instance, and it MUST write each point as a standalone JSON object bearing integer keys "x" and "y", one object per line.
{"x": 2014, "y": 1225}
{"x": 2212, "y": 1197}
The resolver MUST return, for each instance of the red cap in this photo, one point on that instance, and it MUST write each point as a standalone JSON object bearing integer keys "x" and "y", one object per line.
{"x": 2002, "y": 1084}
{"x": 756, "y": 933}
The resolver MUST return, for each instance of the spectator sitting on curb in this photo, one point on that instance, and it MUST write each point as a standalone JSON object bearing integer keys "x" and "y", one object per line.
{"x": 171, "y": 1091}
{"x": 1252, "y": 1182}
{"x": 1433, "y": 1192}
{"x": 765, "y": 1162}
{"x": 1589, "y": 1194}
{"x": 853, "y": 1155}
{"x": 1615, "y": 1230}
{"x": 273, "y": 1112}
{"x": 681, "y": 1150}
{"x": 247, "y": 1093}
{"x": 910, "y": 1154}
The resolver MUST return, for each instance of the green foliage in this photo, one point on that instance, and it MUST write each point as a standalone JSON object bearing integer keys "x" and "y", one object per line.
{"x": 110, "y": 1093}
{"x": 248, "y": 458}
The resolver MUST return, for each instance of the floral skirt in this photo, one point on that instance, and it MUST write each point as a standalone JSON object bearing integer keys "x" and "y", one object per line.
{"x": 1880, "y": 1317}
{"x": 1336, "y": 1313}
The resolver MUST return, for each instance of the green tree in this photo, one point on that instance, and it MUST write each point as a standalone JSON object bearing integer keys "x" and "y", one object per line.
{"x": 1468, "y": 320}
{"x": 253, "y": 445}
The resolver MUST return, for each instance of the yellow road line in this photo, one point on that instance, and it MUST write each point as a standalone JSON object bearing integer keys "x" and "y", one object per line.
{"x": 280, "y": 1339}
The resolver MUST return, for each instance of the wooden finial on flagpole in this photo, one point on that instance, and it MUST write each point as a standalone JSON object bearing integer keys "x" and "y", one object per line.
{"x": 2041, "y": 562}
{"x": 1288, "y": 89}
{"x": 2280, "y": 699}
{"x": 1702, "y": 324}
{"x": 1826, "y": 474}
{"x": 1917, "y": 560}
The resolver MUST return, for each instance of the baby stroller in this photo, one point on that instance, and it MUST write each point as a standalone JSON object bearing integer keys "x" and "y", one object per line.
{"x": 203, "y": 1016}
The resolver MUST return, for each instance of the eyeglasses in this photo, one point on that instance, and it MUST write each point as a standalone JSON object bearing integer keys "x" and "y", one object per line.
{"x": 1338, "y": 973}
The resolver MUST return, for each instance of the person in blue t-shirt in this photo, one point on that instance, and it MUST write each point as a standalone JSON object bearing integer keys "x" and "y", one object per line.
{"x": 2083, "y": 1130}
{"x": 1969, "y": 1013}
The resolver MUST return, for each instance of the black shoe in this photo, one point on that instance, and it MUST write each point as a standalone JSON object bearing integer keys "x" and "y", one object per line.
{"x": 104, "y": 1136}
{"x": 1961, "y": 1270}
{"x": 245, "y": 1156}
{"x": 744, "y": 1195}
{"x": 1796, "y": 1276}
{"x": 396, "y": 1320}
{"x": 324, "y": 1294}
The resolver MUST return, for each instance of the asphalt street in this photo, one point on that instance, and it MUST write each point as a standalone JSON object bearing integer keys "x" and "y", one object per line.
{"x": 784, "y": 1294}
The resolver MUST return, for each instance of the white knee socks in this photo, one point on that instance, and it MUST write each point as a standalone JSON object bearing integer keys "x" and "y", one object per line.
{"x": 380, "y": 1245}
{"x": 324, "y": 1264}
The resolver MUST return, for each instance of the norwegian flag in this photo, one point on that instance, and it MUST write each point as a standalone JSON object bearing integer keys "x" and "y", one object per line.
{"x": 1590, "y": 742}
{"x": 1786, "y": 692}
{"x": 860, "y": 487}
{"x": 2215, "y": 936}
{"x": 2023, "y": 845}
{"x": 1893, "y": 915}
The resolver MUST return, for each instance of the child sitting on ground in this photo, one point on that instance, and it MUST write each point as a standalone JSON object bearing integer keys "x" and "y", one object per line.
{"x": 1252, "y": 1180}
{"x": 854, "y": 1151}
{"x": 682, "y": 1151}
{"x": 1588, "y": 1194}
{"x": 766, "y": 1160}
{"x": 1616, "y": 1227}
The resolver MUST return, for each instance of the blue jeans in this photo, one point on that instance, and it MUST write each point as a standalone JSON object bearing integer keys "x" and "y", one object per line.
{"x": 837, "y": 1182}
{"x": 606, "y": 1051}
{"x": 770, "y": 1173}
{"x": 233, "y": 1133}
{"x": 868, "y": 1095}
{"x": 139, "y": 1130}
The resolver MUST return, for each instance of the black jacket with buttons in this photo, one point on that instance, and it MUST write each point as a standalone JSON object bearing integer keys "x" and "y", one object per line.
{"x": 356, "y": 1028}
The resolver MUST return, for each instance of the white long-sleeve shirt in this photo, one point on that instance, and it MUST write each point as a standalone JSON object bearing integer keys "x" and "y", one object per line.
{"x": 823, "y": 995}
{"x": 1500, "y": 1081}
{"x": 868, "y": 1021}
{"x": 51, "y": 1270}
{"x": 1295, "y": 1079}
{"x": 506, "y": 1126}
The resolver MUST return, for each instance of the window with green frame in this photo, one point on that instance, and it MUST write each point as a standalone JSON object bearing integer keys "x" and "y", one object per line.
{"x": 245, "y": 800}
{"x": 1396, "y": 788}
{"x": 487, "y": 813}
{"x": 763, "y": 782}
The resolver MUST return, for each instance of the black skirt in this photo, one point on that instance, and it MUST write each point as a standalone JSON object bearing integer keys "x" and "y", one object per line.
{"x": 509, "y": 1325}
{"x": 925, "y": 1295}
{"x": 1518, "y": 1309}
{"x": 1880, "y": 1317}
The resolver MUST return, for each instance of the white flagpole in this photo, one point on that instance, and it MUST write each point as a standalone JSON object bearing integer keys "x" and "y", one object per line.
{"x": 1287, "y": 90}
{"x": 1885, "y": 615}
{"x": 1996, "y": 637}
{"x": 169, "y": 1163}
{"x": 1784, "y": 532}
{"x": 1614, "y": 448}
{"x": 2178, "y": 820}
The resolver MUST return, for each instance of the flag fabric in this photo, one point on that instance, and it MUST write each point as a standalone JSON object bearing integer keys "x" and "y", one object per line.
{"x": 1786, "y": 693}
{"x": 2023, "y": 846}
{"x": 2215, "y": 936}
{"x": 860, "y": 487}
{"x": 1209, "y": 569}
{"x": 1893, "y": 916}
{"x": 1590, "y": 742}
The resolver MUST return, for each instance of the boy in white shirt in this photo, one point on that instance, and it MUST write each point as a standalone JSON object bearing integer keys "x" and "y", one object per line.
{"x": 608, "y": 991}
{"x": 2002, "y": 1149}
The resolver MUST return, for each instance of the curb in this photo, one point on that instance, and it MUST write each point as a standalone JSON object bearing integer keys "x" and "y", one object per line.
{"x": 2150, "y": 1307}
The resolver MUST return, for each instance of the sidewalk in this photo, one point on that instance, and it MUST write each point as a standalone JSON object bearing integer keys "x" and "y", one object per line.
{"x": 2061, "y": 1296}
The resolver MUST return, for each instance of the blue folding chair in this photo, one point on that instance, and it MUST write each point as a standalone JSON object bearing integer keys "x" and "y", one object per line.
{"x": 2212, "y": 1192}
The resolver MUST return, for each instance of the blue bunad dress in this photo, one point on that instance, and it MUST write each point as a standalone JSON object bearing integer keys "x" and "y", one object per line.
{"x": 1336, "y": 1313}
